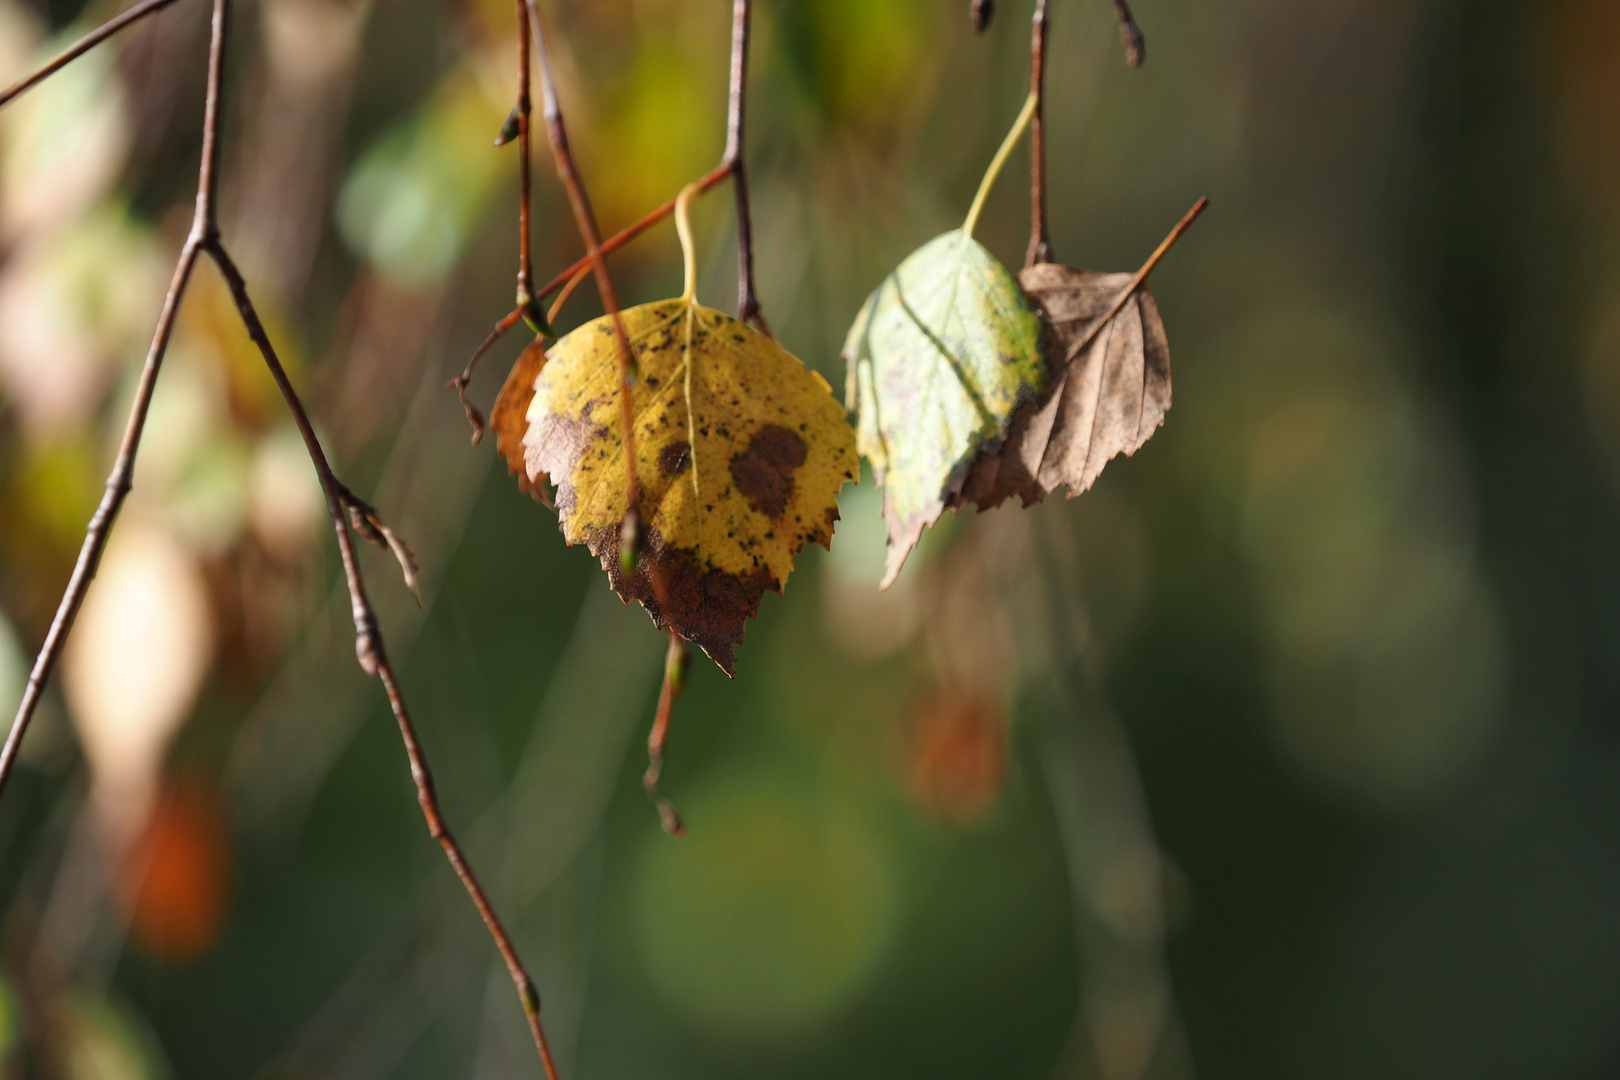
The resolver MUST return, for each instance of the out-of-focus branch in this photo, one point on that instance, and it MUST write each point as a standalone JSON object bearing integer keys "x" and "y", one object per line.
{"x": 1135, "y": 43}
{"x": 84, "y": 45}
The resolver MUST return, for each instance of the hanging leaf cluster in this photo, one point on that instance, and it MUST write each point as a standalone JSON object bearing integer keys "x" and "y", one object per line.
{"x": 971, "y": 386}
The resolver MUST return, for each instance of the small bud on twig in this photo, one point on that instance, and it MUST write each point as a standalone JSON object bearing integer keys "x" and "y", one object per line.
{"x": 509, "y": 130}
{"x": 983, "y": 11}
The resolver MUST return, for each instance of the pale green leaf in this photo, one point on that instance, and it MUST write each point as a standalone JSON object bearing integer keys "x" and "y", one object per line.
{"x": 941, "y": 354}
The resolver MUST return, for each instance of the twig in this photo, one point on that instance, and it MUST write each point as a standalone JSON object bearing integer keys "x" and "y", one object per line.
{"x": 1040, "y": 248}
{"x": 634, "y": 229}
{"x": 460, "y": 382}
{"x": 674, "y": 682}
{"x": 525, "y": 274}
{"x": 1135, "y": 43}
{"x": 516, "y": 124}
{"x": 84, "y": 45}
{"x": 731, "y": 166}
{"x": 204, "y": 238}
{"x": 1136, "y": 281}
{"x": 567, "y": 290}
{"x": 747, "y": 296}
{"x": 585, "y": 220}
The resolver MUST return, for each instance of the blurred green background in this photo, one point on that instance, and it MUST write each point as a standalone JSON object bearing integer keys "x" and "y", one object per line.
{"x": 1288, "y": 751}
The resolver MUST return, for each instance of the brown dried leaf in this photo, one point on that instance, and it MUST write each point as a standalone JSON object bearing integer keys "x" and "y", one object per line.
{"x": 1109, "y": 392}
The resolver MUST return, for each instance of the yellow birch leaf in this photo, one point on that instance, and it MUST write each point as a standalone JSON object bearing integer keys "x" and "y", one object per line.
{"x": 741, "y": 451}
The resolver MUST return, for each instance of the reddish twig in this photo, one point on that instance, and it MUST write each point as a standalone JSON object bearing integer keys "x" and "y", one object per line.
{"x": 204, "y": 238}
{"x": 525, "y": 274}
{"x": 1040, "y": 248}
{"x": 567, "y": 290}
{"x": 1135, "y": 43}
{"x": 674, "y": 682}
{"x": 84, "y": 45}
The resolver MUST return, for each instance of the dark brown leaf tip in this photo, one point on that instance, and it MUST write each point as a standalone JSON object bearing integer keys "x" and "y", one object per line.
{"x": 764, "y": 471}
{"x": 702, "y": 604}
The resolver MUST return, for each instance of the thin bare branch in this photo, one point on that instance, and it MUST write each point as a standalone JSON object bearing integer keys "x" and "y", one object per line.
{"x": 84, "y": 45}
{"x": 525, "y": 274}
{"x": 731, "y": 165}
{"x": 1135, "y": 43}
{"x": 460, "y": 382}
{"x": 516, "y": 127}
{"x": 371, "y": 651}
{"x": 613, "y": 243}
{"x": 1040, "y": 247}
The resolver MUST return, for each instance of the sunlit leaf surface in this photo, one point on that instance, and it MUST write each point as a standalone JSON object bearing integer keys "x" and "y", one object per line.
{"x": 939, "y": 357}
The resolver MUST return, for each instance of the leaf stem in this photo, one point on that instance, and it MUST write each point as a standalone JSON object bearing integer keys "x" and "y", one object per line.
{"x": 1025, "y": 115}
{"x": 683, "y": 229}
{"x": 1138, "y": 279}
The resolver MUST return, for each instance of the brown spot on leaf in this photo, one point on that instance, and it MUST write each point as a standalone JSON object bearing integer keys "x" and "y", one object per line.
{"x": 553, "y": 446}
{"x": 675, "y": 457}
{"x": 764, "y": 471}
